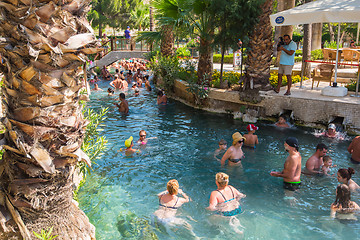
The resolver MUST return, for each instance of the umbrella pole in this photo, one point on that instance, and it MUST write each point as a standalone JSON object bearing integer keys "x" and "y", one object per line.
{"x": 337, "y": 56}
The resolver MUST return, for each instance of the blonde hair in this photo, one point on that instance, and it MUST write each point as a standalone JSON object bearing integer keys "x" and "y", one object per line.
{"x": 142, "y": 131}
{"x": 222, "y": 179}
{"x": 326, "y": 158}
{"x": 172, "y": 186}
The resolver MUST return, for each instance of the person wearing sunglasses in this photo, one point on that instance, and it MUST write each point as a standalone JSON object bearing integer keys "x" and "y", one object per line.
{"x": 142, "y": 140}
{"x": 234, "y": 154}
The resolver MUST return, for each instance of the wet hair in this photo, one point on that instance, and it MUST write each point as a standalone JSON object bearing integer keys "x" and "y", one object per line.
{"x": 222, "y": 142}
{"x": 117, "y": 70}
{"x": 342, "y": 195}
{"x": 160, "y": 93}
{"x": 110, "y": 90}
{"x": 346, "y": 173}
{"x": 222, "y": 179}
{"x": 122, "y": 95}
{"x": 172, "y": 186}
{"x": 321, "y": 147}
{"x": 326, "y": 158}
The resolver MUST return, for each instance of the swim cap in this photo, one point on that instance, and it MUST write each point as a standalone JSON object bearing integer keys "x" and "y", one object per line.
{"x": 292, "y": 142}
{"x": 332, "y": 126}
{"x": 251, "y": 127}
{"x": 128, "y": 141}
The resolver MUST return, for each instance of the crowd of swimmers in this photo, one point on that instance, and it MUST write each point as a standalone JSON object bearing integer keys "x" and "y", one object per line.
{"x": 225, "y": 200}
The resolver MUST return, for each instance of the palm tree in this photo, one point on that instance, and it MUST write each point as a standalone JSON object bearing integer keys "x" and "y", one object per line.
{"x": 140, "y": 16}
{"x": 44, "y": 54}
{"x": 259, "y": 56}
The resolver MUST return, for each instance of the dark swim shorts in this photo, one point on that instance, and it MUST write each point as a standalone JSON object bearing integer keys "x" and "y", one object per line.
{"x": 353, "y": 161}
{"x": 292, "y": 186}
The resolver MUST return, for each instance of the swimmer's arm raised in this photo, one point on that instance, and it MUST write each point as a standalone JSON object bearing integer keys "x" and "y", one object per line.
{"x": 186, "y": 198}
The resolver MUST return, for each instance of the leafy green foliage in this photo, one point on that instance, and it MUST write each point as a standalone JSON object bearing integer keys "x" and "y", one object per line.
{"x": 103, "y": 11}
{"x": 140, "y": 16}
{"x": 166, "y": 67}
{"x": 231, "y": 76}
{"x": 298, "y": 53}
{"x": 352, "y": 85}
{"x": 183, "y": 52}
{"x": 227, "y": 58}
{"x": 94, "y": 144}
{"x": 332, "y": 45}
{"x": 274, "y": 79}
{"x": 45, "y": 234}
{"x": 317, "y": 54}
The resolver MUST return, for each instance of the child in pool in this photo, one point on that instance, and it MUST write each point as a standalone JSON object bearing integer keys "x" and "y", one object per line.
{"x": 221, "y": 150}
{"x": 129, "y": 147}
{"x": 282, "y": 122}
{"x": 327, "y": 164}
{"x": 251, "y": 139}
{"x": 343, "y": 207}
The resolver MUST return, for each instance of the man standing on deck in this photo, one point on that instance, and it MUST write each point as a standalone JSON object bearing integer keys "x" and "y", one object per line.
{"x": 292, "y": 167}
{"x": 314, "y": 163}
{"x": 127, "y": 37}
{"x": 287, "y": 48}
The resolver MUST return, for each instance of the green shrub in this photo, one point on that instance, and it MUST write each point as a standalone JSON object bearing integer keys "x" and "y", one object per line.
{"x": 298, "y": 59}
{"x": 298, "y": 53}
{"x": 317, "y": 54}
{"x": 352, "y": 85}
{"x": 183, "y": 52}
{"x": 331, "y": 44}
{"x": 231, "y": 76}
{"x": 227, "y": 58}
{"x": 274, "y": 79}
{"x": 297, "y": 37}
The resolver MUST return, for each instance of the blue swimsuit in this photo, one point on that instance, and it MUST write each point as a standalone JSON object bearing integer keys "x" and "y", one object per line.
{"x": 232, "y": 212}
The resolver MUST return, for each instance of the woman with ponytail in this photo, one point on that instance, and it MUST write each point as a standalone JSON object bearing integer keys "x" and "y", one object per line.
{"x": 344, "y": 176}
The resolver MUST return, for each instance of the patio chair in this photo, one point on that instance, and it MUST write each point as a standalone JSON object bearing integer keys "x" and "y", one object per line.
{"x": 326, "y": 54}
{"x": 348, "y": 55}
{"x": 332, "y": 56}
{"x": 322, "y": 72}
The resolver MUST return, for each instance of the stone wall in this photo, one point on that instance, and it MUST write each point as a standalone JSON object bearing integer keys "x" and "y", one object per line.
{"x": 308, "y": 112}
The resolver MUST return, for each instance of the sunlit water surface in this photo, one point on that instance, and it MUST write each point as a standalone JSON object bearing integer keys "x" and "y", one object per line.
{"x": 120, "y": 195}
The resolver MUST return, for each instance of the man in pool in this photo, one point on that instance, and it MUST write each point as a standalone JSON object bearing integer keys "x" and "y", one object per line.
{"x": 292, "y": 167}
{"x": 354, "y": 150}
{"x": 313, "y": 164}
{"x": 117, "y": 83}
{"x": 124, "y": 105}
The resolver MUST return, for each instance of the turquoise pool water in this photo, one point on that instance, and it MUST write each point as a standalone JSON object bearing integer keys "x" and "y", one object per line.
{"x": 119, "y": 196}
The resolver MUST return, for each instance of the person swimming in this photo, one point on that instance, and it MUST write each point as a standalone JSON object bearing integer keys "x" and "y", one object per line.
{"x": 142, "y": 138}
{"x": 282, "y": 122}
{"x": 343, "y": 207}
{"x": 221, "y": 149}
{"x": 129, "y": 147}
{"x": 225, "y": 199}
{"x": 250, "y": 138}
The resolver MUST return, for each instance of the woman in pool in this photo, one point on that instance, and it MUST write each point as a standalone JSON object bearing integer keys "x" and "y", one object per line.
{"x": 142, "y": 140}
{"x": 342, "y": 206}
{"x": 169, "y": 202}
{"x": 234, "y": 153}
{"x": 344, "y": 176}
{"x": 225, "y": 199}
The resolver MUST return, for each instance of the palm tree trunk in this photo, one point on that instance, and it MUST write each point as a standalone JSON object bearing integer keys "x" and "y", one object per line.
{"x": 167, "y": 41}
{"x": 259, "y": 56}
{"x": 44, "y": 123}
{"x": 205, "y": 64}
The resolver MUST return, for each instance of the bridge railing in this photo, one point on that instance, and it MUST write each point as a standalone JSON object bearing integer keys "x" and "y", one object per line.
{"x": 122, "y": 44}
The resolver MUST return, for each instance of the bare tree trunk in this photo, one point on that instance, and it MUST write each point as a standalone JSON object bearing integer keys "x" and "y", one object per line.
{"x": 316, "y": 33}
{"x": 205, "y": 64}
{"x": 331, "y": 32}
{"x": 151, "y": 11}
{"x": 306, "y": 66}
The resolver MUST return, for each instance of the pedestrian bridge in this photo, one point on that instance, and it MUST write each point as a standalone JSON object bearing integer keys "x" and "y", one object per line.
{"x": 114, "y": 56}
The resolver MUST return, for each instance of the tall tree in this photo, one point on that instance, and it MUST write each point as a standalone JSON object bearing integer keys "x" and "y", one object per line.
{"x": 140, "y": 16}
{"x": 259, "y": 56}
{"x": 307, "y": 47}
{"x": 43, "y": 59}
{"x": 233, "y": 19}
{"x": 103, "y": 12}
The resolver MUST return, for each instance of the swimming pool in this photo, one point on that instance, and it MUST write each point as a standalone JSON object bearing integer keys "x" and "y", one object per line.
{"x": 119, "y": 196}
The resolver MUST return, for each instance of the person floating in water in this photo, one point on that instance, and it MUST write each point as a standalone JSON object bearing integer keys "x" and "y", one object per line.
{"x": 161, "y": 97}
{"x": 169, "y": 202}
{"x": 344, "y": 176}
{"x": 343, "y": 207}
{"x": 222, "y": 148}
{"x": 129, "y": 144}
{"x": 225, "y": 199}
{"x": 124, "y": 105}
{"x": 314, "y": 163}
{"x": 332, "y": 133}
{"x": 292, "y": 167}
{"x": 354, "y": 150}
{"x": 234, "y": 153}
{"x": 250, "y": 138}
{"x": 327, "y": 165}
{"x": 282, "y": 122}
